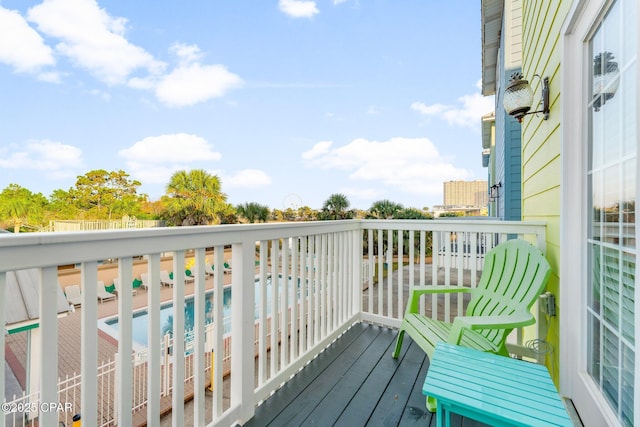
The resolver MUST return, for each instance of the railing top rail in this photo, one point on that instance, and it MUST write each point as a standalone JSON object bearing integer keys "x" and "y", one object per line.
{"x": 488, "y": 225}
{"x": 29, "y": 250}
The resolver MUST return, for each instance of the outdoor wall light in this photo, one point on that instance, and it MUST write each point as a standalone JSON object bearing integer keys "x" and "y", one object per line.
{"x": 518, "y": 97}
{"x": 494, "y": 191}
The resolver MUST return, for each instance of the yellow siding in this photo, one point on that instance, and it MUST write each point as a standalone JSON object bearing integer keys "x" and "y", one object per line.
{"x": 541, "y": 165}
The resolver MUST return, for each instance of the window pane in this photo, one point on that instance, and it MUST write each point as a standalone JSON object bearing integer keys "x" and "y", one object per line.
{"x": 610, "y": 288}
{"x": 610, "y": 366}
{"x": 594, "y": 347}
{"x": 596, "y": 201}
{"x": 596, "y": 273}
{"x": 628, "y": 297}
{"x": 611, "y": 214}
{"x": 628, "y": 204}
{"x": 628, "y": 375}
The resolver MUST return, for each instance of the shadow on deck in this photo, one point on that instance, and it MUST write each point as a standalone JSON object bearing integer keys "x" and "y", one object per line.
{"x": 356, "y": 382}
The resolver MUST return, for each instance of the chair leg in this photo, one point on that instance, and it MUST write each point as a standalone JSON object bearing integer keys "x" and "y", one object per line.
{"x": 396, "y": 351}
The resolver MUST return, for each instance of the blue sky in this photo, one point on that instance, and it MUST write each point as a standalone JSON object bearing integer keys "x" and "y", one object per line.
{"x": 286, "y": 101}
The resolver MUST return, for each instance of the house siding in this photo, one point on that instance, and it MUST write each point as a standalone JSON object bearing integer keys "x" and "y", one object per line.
{"x": 508, "y": 159}
{"x": 541, "y": 141}
{"x": 508, "y": 131}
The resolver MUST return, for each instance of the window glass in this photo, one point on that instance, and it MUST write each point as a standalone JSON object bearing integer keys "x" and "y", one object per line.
{"x": 612, "y": 188}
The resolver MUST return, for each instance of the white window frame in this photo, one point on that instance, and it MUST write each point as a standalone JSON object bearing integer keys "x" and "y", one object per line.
{"x": 581, "y": 22}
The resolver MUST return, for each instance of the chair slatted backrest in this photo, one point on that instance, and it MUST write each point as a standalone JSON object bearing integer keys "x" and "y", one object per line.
{"x": 514, "y": 275}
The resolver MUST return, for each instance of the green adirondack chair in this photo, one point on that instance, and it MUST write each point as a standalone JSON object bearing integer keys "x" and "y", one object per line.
{"x": 515, "y": 274}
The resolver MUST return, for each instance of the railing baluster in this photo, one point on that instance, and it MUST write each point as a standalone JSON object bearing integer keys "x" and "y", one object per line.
{"x": 125, "y": 369}
{"x": 198, "y": 366}
{"x": 275, "y": 313}
{"x": 400, "y": 273}
{"x": 154, "y": 348}
{"x": 423, "y": 267}
{"x": 312, "y": 291}
{"x": 284, "y": 303}
{"x": 460, "y": 263}
{"x": 412, "y": 258}
{"x": 318, "y": 289}
{"x": 219, "y": 348}
{"x": 262, "y": 344}
{"x": 304, "y": 289}
{"x": 296, "y": 288}
{"x": 243, "y": 327}
{"x": 370, "y": 269}
{"x": 177, "y": 397}
{"x": 389, "y": 257}
{"x": 89, "y": 342}
{"x": 48, "y": 340}
{"x": 325, "y": 280}
{"x": 381, "y": 260}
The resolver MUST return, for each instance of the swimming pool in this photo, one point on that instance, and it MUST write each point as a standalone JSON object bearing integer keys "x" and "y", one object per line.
{"x": 140, "y": 323}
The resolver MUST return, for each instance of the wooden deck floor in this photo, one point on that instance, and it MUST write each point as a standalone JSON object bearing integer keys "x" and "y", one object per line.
{"x": 356, "y": 382}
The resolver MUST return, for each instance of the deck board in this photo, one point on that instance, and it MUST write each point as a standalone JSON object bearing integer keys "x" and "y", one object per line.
{"x": 356, "y": 382}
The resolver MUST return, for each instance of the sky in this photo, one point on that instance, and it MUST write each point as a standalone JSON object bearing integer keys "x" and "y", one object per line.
{"x": 286, "y": 101}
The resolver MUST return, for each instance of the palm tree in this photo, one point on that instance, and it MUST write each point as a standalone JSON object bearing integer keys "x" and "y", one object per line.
{"x": 335, "y": 207}
{"x": 385, "y": 209}
{"x": 194, "y": 198}
{"x": 253, "y": 212}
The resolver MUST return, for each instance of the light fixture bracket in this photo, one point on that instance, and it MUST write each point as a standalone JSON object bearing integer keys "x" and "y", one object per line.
{"x": 518, "y": 97}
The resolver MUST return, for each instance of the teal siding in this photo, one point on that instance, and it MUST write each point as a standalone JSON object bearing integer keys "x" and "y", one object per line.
{"x": 508, "y": 157}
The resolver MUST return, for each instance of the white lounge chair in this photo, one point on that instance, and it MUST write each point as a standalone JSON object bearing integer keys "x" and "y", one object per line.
{"x": 116, "y": 283}
{"x": 165, "y": 279}
{"x": 103, "y": 295}
{"x": 145, "y": 281}
{"x": 74, "y": 295}
{"x": 208, "y": 269}
{"x": 189, "y": 277}
{"x": 226, "y": 267}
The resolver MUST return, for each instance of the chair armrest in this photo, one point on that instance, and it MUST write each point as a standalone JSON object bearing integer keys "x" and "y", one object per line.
{"x": 414, "y": 296}
{"x": 511, "y": 321}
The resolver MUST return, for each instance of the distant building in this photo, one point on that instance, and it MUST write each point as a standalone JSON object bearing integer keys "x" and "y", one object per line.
{"x": 466, "y": 193}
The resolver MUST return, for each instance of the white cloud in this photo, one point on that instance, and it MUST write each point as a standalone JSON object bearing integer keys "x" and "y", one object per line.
{"x": 95, "y": 41}
{"x": 22, "y": 47}
{"x": 54, "y": 158}
{"x": 298, "y": 8}
{"x": 195, "y": 83}
{"x": 168, "y": 148}
{"x": 411, "y": 165}
{"x": 92, "y": 39}
{"x": 247, "y": 178}
{"x": 187, "y": 53}
{"x": 317, "y": 150}
{"x": 155, "y": 158}
{"x": 468, "y": 113}
{"x": 428, "y": 110}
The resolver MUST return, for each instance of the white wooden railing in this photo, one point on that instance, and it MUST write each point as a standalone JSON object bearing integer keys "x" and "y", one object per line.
{"x": 318, "y": 291}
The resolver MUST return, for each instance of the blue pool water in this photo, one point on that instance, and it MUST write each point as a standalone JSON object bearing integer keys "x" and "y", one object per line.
{"x": 140, "y": 322}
